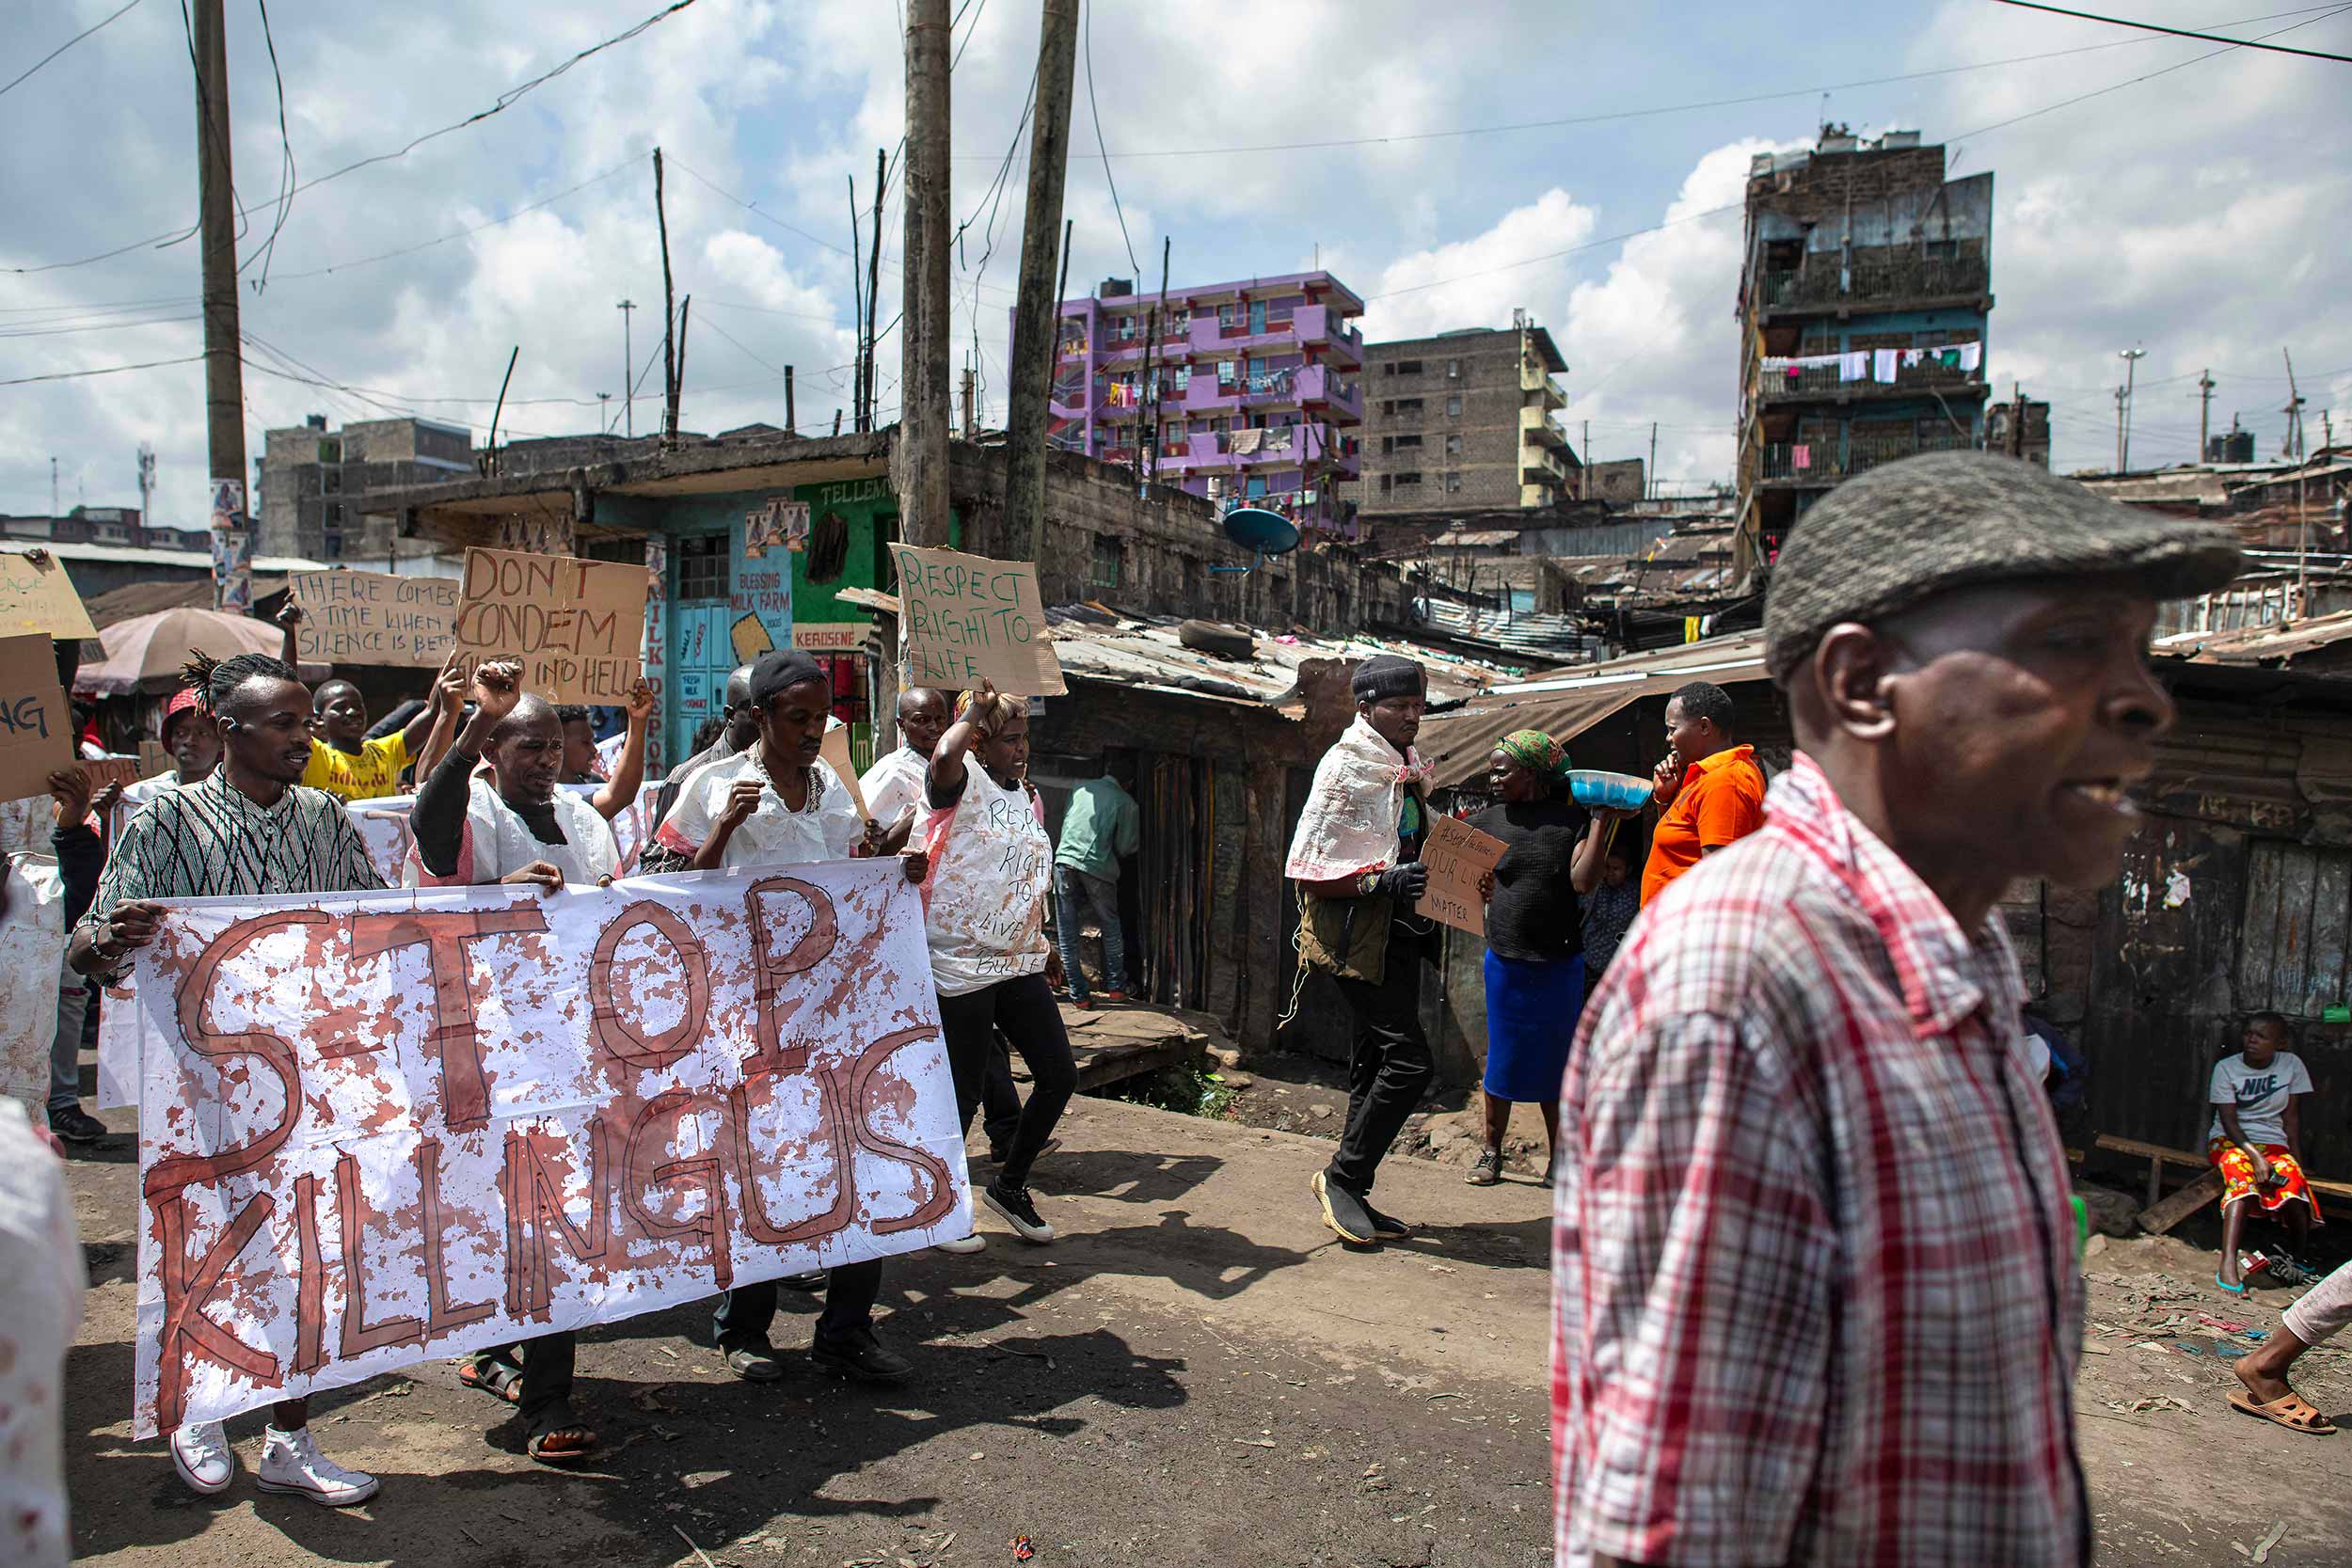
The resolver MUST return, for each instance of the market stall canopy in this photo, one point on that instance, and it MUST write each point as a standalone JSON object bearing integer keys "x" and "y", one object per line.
{"x": 144, "y": 653}
{"x": 1565, "y": 706}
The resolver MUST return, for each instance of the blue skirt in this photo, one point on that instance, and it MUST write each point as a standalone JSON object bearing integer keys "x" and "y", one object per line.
{"x": 1532, "y": 1011}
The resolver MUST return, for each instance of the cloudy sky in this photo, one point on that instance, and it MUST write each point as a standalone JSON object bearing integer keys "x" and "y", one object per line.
{"x": 2197, "y": 207}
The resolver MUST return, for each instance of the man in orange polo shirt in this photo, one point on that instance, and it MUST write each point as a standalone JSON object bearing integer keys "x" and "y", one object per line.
{"x": 1713, "y": 791}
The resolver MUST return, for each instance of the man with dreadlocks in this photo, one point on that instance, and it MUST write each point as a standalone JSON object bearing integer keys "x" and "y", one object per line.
{"x": 245, "y": 829}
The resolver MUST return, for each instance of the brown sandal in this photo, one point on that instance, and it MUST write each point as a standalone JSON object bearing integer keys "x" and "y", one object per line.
{"x": 495, "y": 1378}
{"x": 563, "y": 1439}
{"x": 2290, "y": 1410}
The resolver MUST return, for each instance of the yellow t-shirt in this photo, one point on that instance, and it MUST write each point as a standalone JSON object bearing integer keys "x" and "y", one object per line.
{"x": 375, "y": 771}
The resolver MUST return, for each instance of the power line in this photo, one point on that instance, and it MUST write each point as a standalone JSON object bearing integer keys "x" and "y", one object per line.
{"x": 462, "y": 233}
{"x": 757, "y": 212}
{"x": 505, "y": 100}
{"x": 287, "y": 172}
{"x": 1094, "y": 111}
{"x": 2177, "y": 32}
{"x": 66, "y": 45}
{"x": 1648, "y": 113}
{"x": 103, "y": 370}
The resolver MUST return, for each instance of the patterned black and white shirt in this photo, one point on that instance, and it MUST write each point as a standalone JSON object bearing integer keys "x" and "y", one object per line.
{"x": 210, "y": 839}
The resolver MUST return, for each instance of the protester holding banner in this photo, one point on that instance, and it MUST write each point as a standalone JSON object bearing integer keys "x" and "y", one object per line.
{"x": 985, "y": 919}
{"x": 248, "y": 828}
{"x": 515, "y": 827}
{"x": 344, "y": 762}
{"x": 779, "y": 803}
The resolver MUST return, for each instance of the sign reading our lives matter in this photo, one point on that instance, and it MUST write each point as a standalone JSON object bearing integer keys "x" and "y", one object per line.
{"x": 577, "y": 625}
{"x": 374, "y": 617}
{"x": 966, "y": 619}
{"x": 378, "y": 1129}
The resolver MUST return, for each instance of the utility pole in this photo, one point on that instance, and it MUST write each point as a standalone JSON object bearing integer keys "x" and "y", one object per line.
{"x": 1651, "y": 488}
{"x": 971, "y": 426}
{"x": 919, "y": 457}
{"x": 2017, "y": 419}
{"x": 1586, "y": 487}
{"x": 668, "y": 314}
{"x": 857, "y": 312}
{"x": 2204, "y": 416}
{"x": 628, "y": 370}
{"x": 1037, "y": 318}
{"x": 1148, "y": 467}
{"x": 2302, "y": 516}
{"x": 2119, "y": 430}
{"x": 147, "y": 485}
{"x": 873, "y": 301}
{"x": 53, "y": 487}
{"x": 2131, "y": 358}
{"x": 604, "y": 413}
{"x": 791, "y": 417}
{"x": 224, "y": 364}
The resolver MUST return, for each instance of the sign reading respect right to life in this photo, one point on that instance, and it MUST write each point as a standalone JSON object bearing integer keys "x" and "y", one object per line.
{"x": 966, "y": 619}
{"x": 577, "y": 625}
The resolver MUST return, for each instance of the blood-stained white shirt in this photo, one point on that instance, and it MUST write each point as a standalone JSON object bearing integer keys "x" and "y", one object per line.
{"x": 40, "y": 1305}
{"x": 985, "y": 902}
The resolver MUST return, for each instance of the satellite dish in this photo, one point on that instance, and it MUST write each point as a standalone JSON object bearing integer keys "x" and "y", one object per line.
{"x": 1261, "y": 532}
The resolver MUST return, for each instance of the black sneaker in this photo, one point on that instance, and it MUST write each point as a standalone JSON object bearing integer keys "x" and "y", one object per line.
{"x": 1020, "y": 1211}
{"x": 1344, "y": 1212}
{"x": 753, "y": 1363}
{"x": 859, "y": 1355}
{"x": 74, "y": 1125}
{"x": 1385, "y": 1225}
{"x": 997, "y": 1153}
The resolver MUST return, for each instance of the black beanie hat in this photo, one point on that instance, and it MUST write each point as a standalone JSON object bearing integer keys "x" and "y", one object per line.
{"x": 779, "y": 668}
{"x": 1385, "y": 675}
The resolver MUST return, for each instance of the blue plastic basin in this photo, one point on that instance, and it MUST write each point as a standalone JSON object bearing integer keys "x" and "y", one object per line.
{"x": 1617, "y": 791}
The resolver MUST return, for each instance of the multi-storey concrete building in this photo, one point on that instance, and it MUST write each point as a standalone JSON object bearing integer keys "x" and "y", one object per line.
{"x": 308, "y": 472}
{"x": 1864, "y": 299}
{"x": 1255, "y": 386}
{"x": 1462, "y": 422}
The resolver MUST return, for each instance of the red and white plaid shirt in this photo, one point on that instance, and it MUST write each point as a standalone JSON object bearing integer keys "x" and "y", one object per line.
{"x": 1814, "y": 1287}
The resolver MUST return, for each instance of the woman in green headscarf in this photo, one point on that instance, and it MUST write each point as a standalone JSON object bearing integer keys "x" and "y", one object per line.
{"x": 1534, "y": 934}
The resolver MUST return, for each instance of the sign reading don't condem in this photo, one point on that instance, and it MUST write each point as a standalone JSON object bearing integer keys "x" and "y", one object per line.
{"x": 576, "y": 625}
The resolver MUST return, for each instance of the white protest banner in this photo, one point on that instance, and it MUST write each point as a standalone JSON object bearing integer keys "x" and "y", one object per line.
{"x": 374, "y": 617}
{"x": 32, "y": 957}
{"x": 380, "y": 1129}
{"x": 967, "y": 619}
{"x": 577, "y": 625}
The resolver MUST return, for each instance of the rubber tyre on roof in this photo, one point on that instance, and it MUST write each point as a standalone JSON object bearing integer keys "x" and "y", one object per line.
{"x": 1223, "y": 642}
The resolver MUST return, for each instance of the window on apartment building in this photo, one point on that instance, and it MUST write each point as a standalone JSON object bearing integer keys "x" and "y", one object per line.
{"x": 1452, "y": 482}
{"x": 1398, "y": 443}
{"x": 1453, "y": 406}
{"x": 1453, "y": 446}
{"x": 1409, "y": 408}
{"x": 1404, "y": 480}
{"x": 1387, "y": 481}
{"x": 1225, "y": 372}
{"x": 330, "y": 481}
{"x": 1183, "y": 378}
{"x": 1103, "y": 565}
{"x": 700, "y": 562}
{"x": 1389, "y": 368}
{"x": 1408, "y": 367}
{"x": 1453, "y": 370}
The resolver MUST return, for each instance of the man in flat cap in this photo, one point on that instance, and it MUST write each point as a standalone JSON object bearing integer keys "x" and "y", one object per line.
{"x": 1816, "y": 1295}
{"x": 1356, "y": 859}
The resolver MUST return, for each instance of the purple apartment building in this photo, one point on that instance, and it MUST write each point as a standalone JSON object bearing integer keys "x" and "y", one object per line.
{"x": 1257, "y": 384}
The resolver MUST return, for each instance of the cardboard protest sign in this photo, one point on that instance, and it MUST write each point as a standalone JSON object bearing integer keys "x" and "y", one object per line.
{"x": 380, "y": 1129}
{"x": 37, "y": 596}
{"x": 834, "y": 750}
{"x": 575, "y": 625}
{"x": 153, "y": 759}
{"x": 966, "y": 619}
{"x": 374, "y": 617}
{"x": 104, "y": 771}
{"x": 1458, "y": 856}
{"x": 36, "y": 726}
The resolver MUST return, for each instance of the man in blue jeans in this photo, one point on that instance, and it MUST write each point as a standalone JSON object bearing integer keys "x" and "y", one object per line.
{"x": 1100, "y": 828}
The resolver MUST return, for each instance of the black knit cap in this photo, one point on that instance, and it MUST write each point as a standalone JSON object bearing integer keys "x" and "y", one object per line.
{"x": 1956, "y": 519}
{"x": 779, "y": 668}
{"x": 1385, "y": 675}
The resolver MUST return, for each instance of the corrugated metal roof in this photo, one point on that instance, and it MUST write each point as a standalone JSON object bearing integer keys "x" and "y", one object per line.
{"x": 2277, "y": 646}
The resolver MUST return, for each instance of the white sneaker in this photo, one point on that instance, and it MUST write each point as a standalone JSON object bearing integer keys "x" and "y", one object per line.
{"x": 290, "y": 1462}
{"x": 974, "y": 1242}
{"x": 201, "y": 1454}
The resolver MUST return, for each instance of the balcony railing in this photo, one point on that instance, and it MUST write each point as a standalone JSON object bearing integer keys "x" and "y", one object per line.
{"x": 1808, "y": 380}
{"x": 1804, "y": 460}
{"x": 1823, "y": 462}
{"x": 1826, "y": 283}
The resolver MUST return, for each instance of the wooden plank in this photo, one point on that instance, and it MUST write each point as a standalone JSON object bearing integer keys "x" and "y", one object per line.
{"x": 2160, "y": 1217}
{"x": 2331, "y": 911}
{"x": 2261, "y": 939}
{"x": 2188, "y": 1157}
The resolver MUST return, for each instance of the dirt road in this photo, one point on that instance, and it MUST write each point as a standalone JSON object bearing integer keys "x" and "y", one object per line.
{"x": 1195, "y": 1375}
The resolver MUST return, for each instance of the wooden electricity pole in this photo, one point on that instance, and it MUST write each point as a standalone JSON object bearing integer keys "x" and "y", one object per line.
{"x": 224, "y": 364}
{"x": 919, "y": 455}
{"x": 873, "y": 295}
{"x": 1037, "y": 314}
{"x": 668, "y": 314}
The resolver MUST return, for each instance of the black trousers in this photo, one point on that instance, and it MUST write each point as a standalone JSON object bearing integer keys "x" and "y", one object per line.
{"x": 1000, "y": 1102}
{"x": 1025, "y": 1010}
{"x": 744, "y": 1313}
{"x": 546, "y": 1368}
{"x": 1390, "y": 1067}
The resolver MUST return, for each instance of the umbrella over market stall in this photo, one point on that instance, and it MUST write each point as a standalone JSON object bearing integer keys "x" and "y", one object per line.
{"x": 144, "y": 653}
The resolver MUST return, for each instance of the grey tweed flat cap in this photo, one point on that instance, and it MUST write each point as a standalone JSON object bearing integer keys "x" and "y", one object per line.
{"x": 1954, "y": 519}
